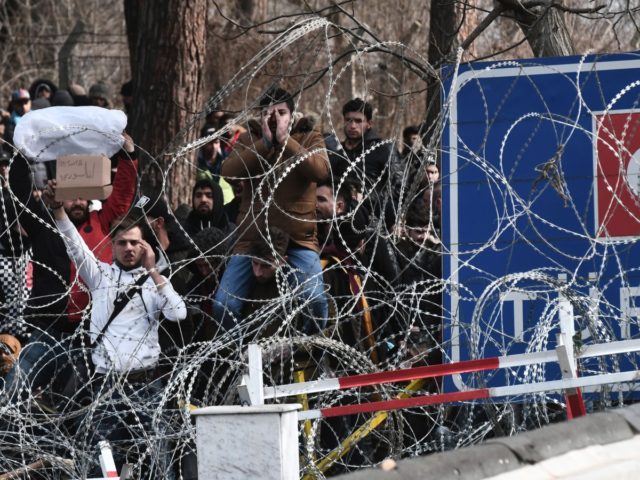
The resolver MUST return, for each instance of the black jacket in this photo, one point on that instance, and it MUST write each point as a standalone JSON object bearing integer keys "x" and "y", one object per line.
{"x": 12, "y": 243}
{"x": 375, "y": 166}
{"x": 47, "y": 304}
{"x": 217, "y": 218}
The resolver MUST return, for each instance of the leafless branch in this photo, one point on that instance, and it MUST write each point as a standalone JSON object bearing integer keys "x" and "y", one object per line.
{"x": 482, "y": 26}
{"x": 525, "y": 6}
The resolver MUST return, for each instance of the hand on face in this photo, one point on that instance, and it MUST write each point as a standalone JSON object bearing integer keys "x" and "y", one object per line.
{"x": 275, "y": 123}
{"x": 148, "y": 256}
{"x": 282, "y": 127}
{"x": 267, "y": 134}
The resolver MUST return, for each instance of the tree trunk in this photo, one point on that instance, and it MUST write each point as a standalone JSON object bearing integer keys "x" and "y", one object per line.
{"x": 443, "y": 40}
{"x": 544, "y": 27}
{"x": 167, "y": 46}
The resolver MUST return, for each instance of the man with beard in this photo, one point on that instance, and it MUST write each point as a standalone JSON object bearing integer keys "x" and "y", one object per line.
{"x": 369, "y": 155}
{"x": 58, "y": 298}
{"x": 280, "y": 167}
{"x": 128, "y": 298}
{"x": 208, "y": 209}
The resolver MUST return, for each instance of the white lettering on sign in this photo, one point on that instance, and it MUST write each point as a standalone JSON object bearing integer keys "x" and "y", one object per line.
{"x": 518, "y": 299}
{"x": 628, "y": 308}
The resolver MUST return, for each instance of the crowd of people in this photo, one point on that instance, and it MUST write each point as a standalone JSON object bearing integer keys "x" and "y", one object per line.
{"x": 289, "y": 229}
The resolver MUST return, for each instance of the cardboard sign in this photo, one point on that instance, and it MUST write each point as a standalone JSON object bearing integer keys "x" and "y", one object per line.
{"x": 83, "y": 176}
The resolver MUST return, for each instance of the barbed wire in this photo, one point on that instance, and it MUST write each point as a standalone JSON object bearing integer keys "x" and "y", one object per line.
{"x": 386, "y": 323}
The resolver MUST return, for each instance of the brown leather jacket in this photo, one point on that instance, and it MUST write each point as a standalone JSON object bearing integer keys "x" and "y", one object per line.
{"x": 279, "y": 186}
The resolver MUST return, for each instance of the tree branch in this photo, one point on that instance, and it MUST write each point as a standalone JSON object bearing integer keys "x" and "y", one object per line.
{"x": 248, "y": 28}
{"x": 482, "y": 26}
{"x": 525, "y": 6}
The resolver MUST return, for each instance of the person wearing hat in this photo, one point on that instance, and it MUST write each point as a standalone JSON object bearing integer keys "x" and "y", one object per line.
{"x": 100, "y": 95}
{"x": 40, "y": 102}
{"x": 42, "y": 88}
{"x": 62, "y": 98}
{"x": 20, "y": 105}
{"x": 58, "y": 299}
{"x": 210, "y": 158}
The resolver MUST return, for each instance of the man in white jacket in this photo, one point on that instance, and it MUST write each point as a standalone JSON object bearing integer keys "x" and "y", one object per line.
{"x": 125, "y": 353}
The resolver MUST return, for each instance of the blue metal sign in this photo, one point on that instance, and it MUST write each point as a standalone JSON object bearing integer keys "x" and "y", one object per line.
{"x": 541, "y": 204}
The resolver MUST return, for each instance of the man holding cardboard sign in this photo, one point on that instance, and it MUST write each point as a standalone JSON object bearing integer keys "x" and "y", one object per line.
{"x": 58, "y": 297}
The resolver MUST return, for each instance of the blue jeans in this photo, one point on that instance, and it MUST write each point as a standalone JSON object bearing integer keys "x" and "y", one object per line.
{"x": 304, "y": 275}
{"x": 46, "y": 359}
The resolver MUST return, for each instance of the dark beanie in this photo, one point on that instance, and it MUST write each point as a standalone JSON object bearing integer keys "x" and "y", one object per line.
{"x": 100, "y": 90}
{"x": 62, "y": 98}
{"x": 158, "y": 208}
{"x": 210, "y": 241}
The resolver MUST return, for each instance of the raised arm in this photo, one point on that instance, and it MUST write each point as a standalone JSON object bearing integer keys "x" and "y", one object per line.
{"x": 315, "y": 166}
{"x": 246, "y": 159}
{"x": 167, "y": 300}
{"x": 80, "y": 254}
{"x": 124, "y": 186}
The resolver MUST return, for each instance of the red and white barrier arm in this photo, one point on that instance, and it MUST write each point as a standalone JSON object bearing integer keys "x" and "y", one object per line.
{"x": 468, "y": 366}
{"x": 107, "y": 464}
{"x": 479, "y": 394}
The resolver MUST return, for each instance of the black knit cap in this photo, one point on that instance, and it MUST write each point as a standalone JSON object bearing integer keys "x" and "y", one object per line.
{"x": 211, "y": 241}
{"x": 100, "y": 90}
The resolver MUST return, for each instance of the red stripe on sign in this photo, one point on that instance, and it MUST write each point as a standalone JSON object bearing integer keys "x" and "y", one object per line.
{"x": 419, "y": 372}
{"x": 405, "y": 403}
{"x": 112, "y": 474}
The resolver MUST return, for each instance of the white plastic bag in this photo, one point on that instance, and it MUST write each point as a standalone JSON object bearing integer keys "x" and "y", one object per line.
{"x": 47, "y": 133}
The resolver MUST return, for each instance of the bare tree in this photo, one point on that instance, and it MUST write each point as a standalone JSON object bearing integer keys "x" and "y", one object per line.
{"x": 167, "y": 45}
{"x": 543, "y": 25}
{"x": 483, "y": 29}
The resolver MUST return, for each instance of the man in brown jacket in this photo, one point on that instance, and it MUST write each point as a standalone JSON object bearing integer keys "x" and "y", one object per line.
{"x": 280, "y": 171}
